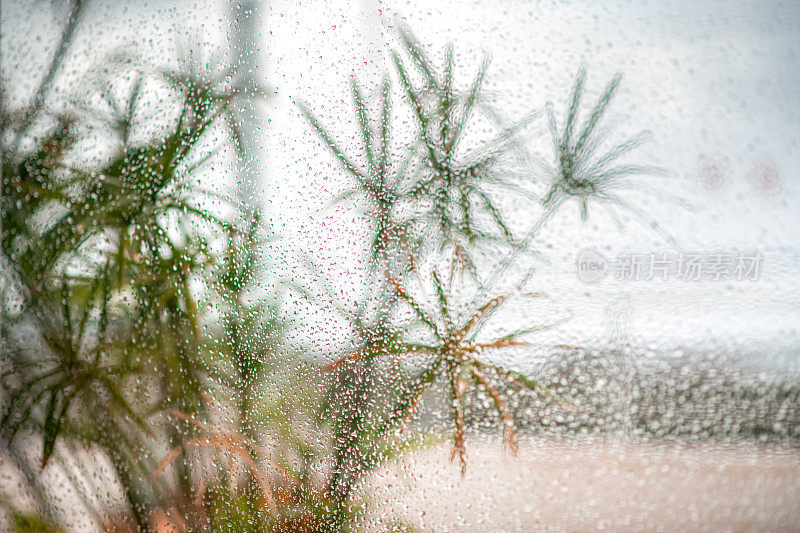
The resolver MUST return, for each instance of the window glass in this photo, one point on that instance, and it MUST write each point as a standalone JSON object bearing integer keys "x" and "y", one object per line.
{"x": 399, "y": 266}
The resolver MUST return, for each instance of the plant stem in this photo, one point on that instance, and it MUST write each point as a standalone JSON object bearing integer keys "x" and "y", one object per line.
{"x": 73, "y": 18}
{"x": 515, "y": 251}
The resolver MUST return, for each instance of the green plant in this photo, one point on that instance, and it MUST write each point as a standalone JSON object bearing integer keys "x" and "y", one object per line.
{"x": 102, "y": 253}
{"x": 133, "y": 325}
{"x": 584, "y": 173}
{"x": 398, "y": 359}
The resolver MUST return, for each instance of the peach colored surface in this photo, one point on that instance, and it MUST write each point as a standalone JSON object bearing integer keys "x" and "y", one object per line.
{"x": 584, "y": 485}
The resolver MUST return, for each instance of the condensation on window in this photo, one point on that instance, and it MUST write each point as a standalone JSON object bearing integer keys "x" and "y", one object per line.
{"x": 330, "y": 266}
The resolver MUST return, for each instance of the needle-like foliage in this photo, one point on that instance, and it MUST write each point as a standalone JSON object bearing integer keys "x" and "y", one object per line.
{"x": 379, "y": 178}
{"x": 126, "y": 226}
{"x": 585, "y": 168}
{"x": 451, "y": 193}
{"x": 448, "y": 348}
{"x": 459, "y": 186}
{"x": 106, "y": 235}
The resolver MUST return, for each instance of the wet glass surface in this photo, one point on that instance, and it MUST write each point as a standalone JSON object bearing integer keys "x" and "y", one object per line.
{"x": 384, "y": 266}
